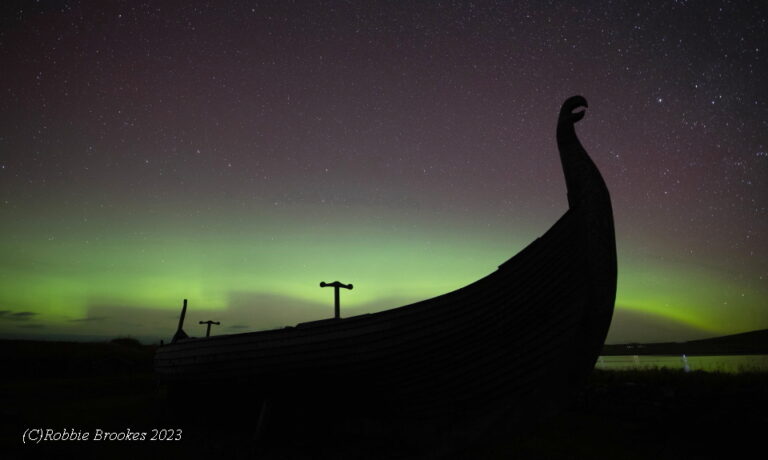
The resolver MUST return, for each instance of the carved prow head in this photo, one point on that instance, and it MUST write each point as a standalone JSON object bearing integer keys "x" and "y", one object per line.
{"x": 567, "y": 113}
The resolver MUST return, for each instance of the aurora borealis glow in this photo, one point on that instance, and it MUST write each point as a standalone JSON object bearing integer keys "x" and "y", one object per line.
{"x": 238, "y": 155}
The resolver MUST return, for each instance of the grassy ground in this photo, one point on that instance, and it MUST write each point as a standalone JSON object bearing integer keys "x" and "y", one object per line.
{"x": 653, "y": 414}
{"x": 656, "y": 414}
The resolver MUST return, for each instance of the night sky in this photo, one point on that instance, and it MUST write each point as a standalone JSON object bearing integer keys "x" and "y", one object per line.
{"x": 238, "y": 153}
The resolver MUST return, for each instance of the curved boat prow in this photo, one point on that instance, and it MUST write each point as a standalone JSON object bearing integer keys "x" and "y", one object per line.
{"x": 590, "y": 201}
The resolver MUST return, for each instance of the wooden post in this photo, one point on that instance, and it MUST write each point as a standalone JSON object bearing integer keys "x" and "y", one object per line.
{"x": 336, "y": 285}
{"x": 336, "y": 306}
{"x": 262, "y": 422}
{"x": 180, "y": 334}
{"x": 183, "y": 314}
{"x": 208, "y": 331}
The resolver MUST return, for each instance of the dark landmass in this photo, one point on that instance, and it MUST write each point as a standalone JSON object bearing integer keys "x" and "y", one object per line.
{"x": 22, "y": 359}
{"x": 747, "y": 343}
{"x": 660, "y": 414}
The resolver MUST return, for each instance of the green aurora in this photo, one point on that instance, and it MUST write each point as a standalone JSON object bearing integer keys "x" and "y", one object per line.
{"x": 70, "y": 277}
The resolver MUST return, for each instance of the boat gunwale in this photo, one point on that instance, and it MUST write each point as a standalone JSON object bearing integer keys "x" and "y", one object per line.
{"x": 350, "y": 323}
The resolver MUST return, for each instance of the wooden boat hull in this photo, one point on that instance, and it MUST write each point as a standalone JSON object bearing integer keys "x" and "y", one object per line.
{"x": 533, "y": 327}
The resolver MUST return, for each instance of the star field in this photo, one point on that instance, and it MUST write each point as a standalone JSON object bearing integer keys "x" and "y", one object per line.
{"x": 238, "y": 153}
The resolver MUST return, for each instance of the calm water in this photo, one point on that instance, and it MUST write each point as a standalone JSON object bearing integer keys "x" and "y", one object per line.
{"x": 725, "y": 363}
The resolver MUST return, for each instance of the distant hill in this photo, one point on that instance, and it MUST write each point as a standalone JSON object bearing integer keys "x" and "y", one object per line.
{"x": 747, "y": 343}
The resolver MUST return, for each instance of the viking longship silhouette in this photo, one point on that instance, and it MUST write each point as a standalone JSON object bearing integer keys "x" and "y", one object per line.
{"x": 528, "y": 333}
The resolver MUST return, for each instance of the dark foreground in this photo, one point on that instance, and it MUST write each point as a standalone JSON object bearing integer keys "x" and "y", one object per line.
{"x": 621, "y": 414}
